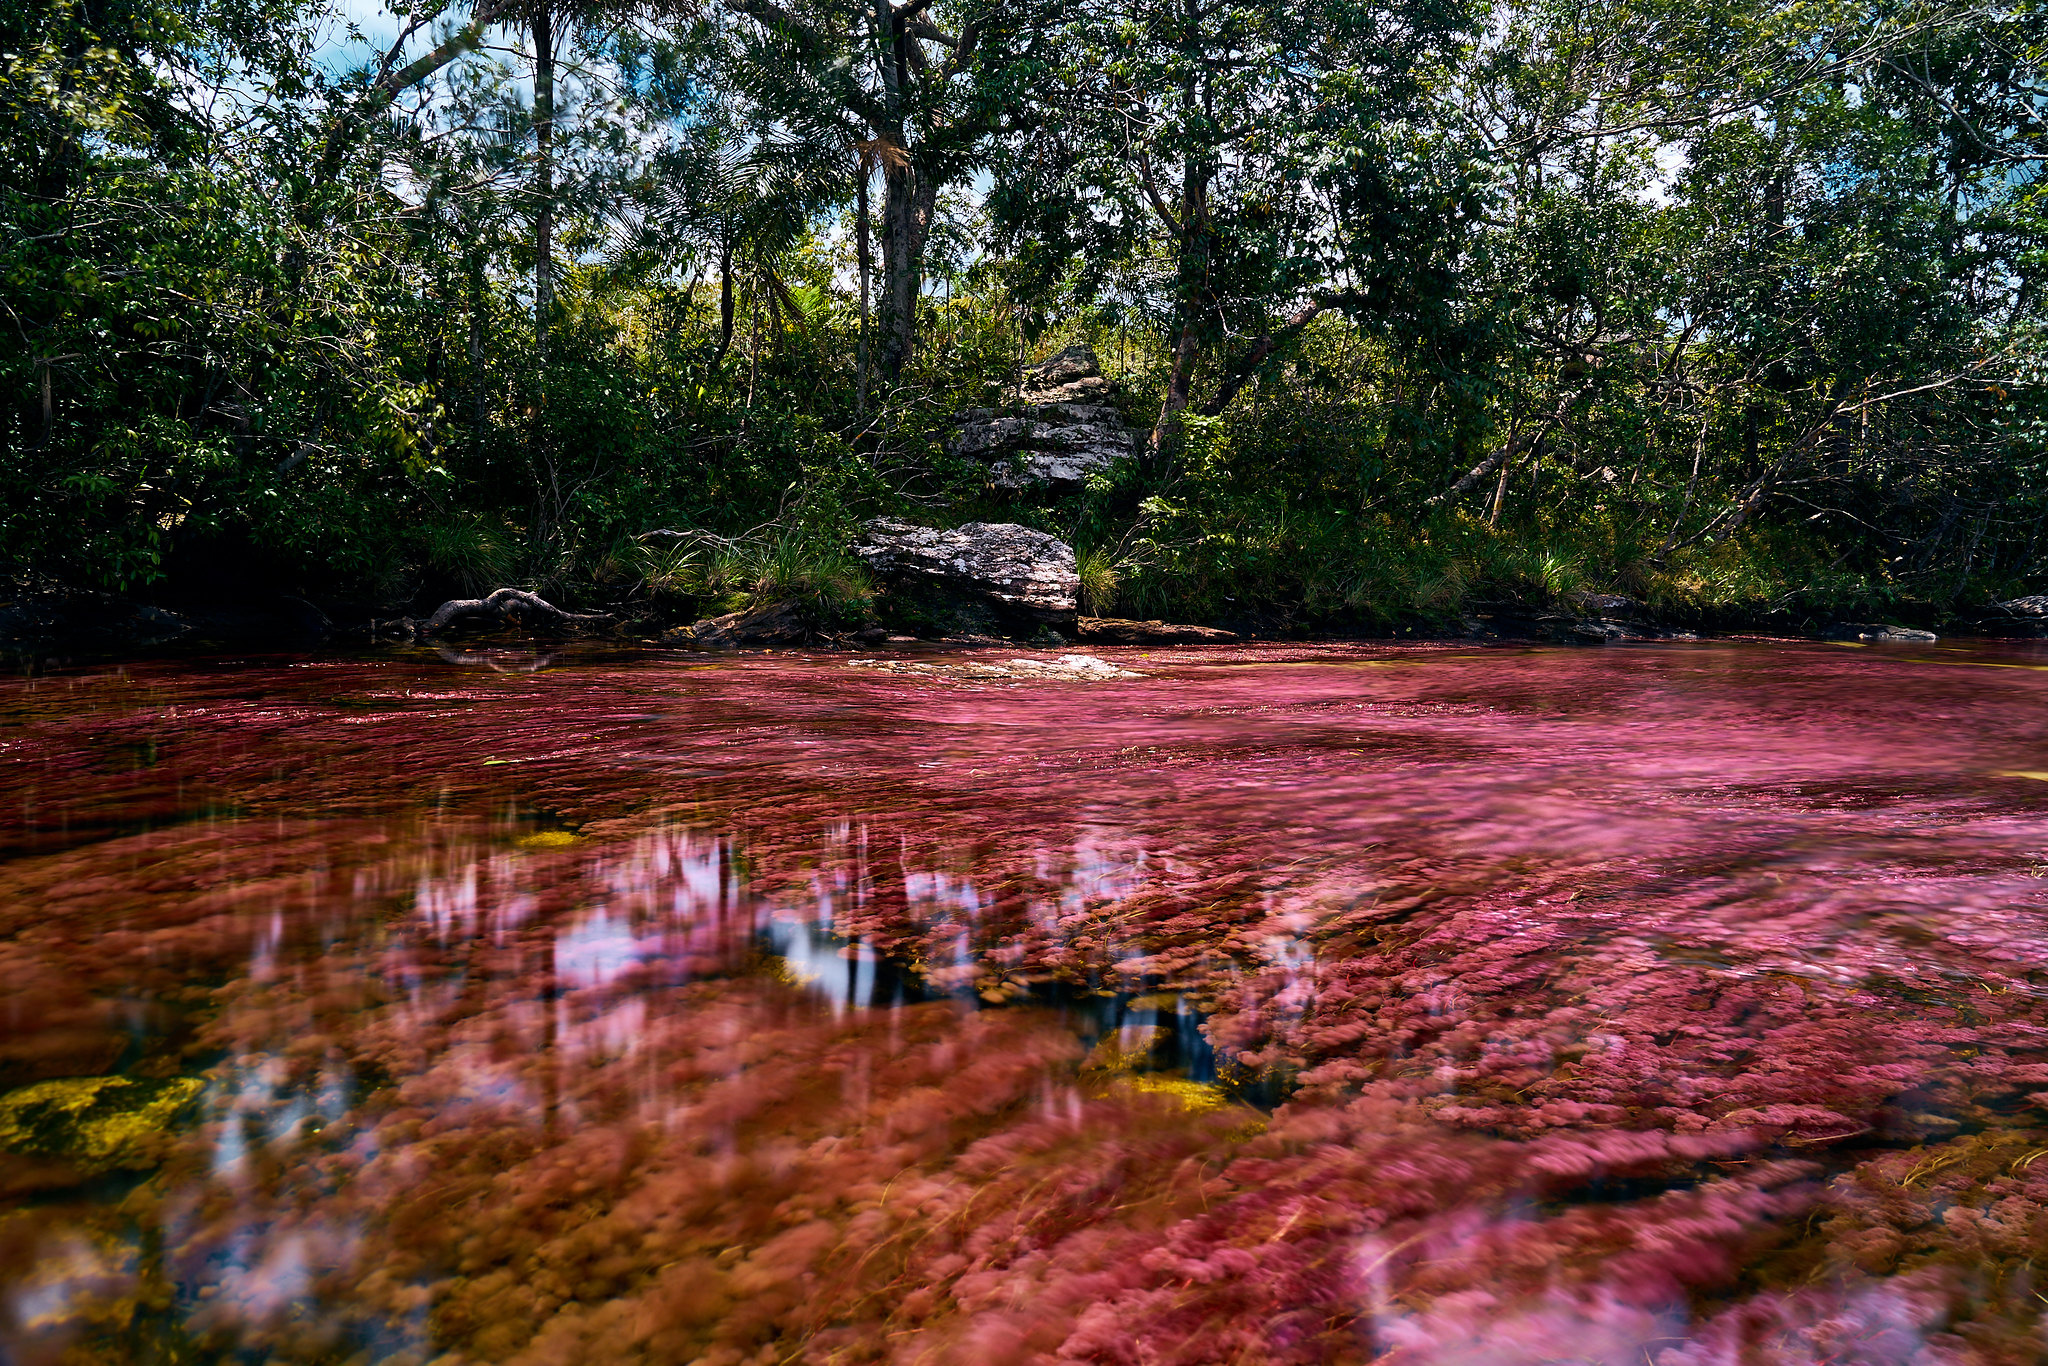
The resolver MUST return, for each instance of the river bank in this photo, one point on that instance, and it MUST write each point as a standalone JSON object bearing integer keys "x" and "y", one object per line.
{"x": 52, "y": 621}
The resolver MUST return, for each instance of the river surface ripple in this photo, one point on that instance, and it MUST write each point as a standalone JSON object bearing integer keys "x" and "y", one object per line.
{"x": 1677, "y": 1004}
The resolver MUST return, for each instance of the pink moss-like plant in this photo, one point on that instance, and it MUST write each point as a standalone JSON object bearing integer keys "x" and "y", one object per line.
{"x": 1679, "y": 1006}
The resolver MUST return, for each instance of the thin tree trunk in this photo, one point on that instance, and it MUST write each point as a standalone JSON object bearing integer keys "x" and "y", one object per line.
{"x": 1193, "y": 266}
{"x": 43, "y": 365}
{"x": 1510, "y": 449}
{"x": 753, "y": 342}
{"x": 476, "y": 350}
{"x": 864, "y": 253}
{"x": 543, "y": 175}
{"x": 1699, "y": 453}
{"x": 908, "y": 198}
{"x": 1262, "y": 348}
{"x": 725, "y": 304}
{"x": 1167, "y": 431}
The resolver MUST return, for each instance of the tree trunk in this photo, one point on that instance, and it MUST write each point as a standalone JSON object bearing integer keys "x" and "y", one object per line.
{"x": 725, "y": 304}
{"x": 1167, "y": 432}
{"x": 908, "y": 197}
{"x": 543, "y": 175}
{"x": 906, "y": 217}
{"x": 1194, "y": 302}
{"x": 1235, "y": 381}
{"x": 1194, "y": 250}
{"x": 43, "y": 367}
{"x": 477, "y": 410}
{"x": 864, "y": 253}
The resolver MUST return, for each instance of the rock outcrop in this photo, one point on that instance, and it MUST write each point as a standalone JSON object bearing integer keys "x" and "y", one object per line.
{"x": 1013, "y": 575}
{"x": 1065, "y": 428}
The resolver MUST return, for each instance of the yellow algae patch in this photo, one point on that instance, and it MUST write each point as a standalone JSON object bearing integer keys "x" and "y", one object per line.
{"x": 1975, "y": 663}
{"x": 95, "y": 1123}
{"x": 2038, "y": 775}
{"x": 1195, "y": 1098}
{"x": 549, "y": 839}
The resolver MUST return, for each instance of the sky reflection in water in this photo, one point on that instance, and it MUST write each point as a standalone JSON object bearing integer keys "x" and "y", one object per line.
{"x": 1679, "y": 1005}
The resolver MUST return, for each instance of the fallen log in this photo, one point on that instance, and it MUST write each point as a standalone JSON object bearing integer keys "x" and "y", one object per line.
{"x": 1117, "y": 631}
{"x": 506, "y": 604}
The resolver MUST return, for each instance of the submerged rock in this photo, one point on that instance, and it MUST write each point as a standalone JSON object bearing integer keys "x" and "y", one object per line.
{"x": 1874, "y": 631}
{"x": 1119, "y": 631}
{"x": 1065, "y": 429}
{"x": 1016, "y": 576}
{"x": 1065, "y": 668}
{"x": 95, "y": 1124}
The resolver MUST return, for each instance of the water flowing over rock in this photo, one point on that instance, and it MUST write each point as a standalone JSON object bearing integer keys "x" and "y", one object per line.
{"x": 1063, "y": 669}
{"x": 1016, "y": 575}
{"x": 1066, "y": 428}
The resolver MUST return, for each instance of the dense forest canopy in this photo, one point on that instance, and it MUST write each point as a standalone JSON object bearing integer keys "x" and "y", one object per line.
{"x": 1735, "y": 305}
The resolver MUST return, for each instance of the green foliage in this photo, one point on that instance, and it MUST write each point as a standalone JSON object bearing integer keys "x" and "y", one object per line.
{"x": 1738, "y": 309}
{"x": 707, "y": 573}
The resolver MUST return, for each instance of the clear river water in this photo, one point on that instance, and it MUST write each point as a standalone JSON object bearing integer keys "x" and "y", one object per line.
{"x": 1663, "y": 1005}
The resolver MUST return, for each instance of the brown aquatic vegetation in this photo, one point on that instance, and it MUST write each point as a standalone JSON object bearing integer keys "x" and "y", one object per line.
{"x": 1292, "y": 1006}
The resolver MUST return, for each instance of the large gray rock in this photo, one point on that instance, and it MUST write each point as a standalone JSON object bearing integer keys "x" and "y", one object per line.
{"x": 2035, "y": 605}
{"x": 1021, "y": 575}
{"x": 1064, "y": 430}
{"x": 1072, "y": 376}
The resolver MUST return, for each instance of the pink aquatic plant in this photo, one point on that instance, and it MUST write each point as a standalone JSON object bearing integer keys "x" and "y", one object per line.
{"x": 1320, "y": 1005}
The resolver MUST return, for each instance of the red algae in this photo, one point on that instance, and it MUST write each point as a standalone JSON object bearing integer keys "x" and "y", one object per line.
{"x": 1677, "y": 1004}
